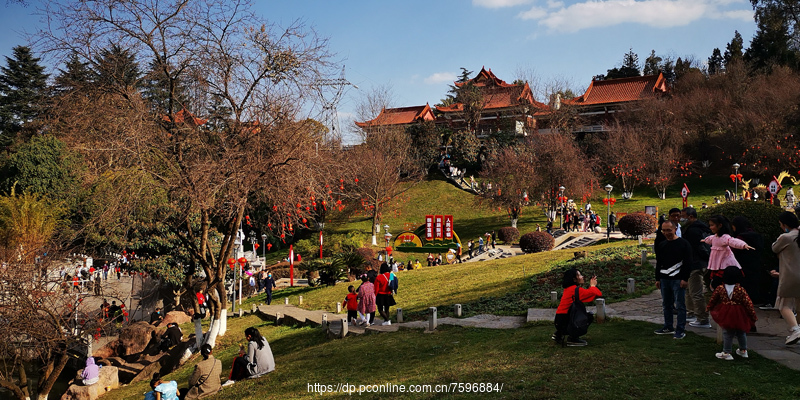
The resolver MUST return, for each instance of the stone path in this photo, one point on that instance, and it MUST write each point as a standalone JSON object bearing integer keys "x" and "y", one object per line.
{"x": 768, "y": 342}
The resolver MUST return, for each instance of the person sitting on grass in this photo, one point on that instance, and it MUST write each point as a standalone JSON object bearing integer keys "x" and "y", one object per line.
{"x": 162, "y": 390}
{"x": 204, "y": 381}
{"x": 258, "y": 360}
{"x": 572, "y": 278}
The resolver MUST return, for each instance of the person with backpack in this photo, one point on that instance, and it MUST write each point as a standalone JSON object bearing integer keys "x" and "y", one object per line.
{"x": 694, "y": 232}
{"x": 571, "y": 282}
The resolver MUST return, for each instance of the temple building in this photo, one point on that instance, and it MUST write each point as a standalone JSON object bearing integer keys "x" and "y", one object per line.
{"x": 507, "y": 107}
{"x": 603, "y": 99}
{"x": 502, "y": 106}
{"x": 402, "y": 116}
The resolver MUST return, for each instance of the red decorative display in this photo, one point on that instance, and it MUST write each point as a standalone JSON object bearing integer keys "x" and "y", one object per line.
{"x": 429, "y": 227}
{"x": 448, "y": 226}
{"x": 438, "y": 222}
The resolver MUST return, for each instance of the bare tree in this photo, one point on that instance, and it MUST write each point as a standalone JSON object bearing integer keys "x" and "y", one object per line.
{"x": 514, "y": 176}
{"x": 262, "y": 73}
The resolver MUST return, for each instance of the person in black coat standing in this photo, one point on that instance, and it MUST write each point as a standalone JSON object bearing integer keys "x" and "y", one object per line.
{"x": 749, "y": 260}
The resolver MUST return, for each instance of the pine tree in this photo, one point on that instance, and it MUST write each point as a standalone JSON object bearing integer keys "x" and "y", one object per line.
{"x": 156, "y": 89}
{"x": 23, "y": 89}
{"x": 652, "y": 64}
{"x": 629, "y": 68}
{"x": 771, "y": 44}
{"x": 734, "y": 50}
{"x": 715, "y": 65}
{"x": 75, "y": 76}
{"x": 116, "y": 70}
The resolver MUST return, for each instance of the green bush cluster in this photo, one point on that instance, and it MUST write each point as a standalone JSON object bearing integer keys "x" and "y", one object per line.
{"x": 535, "y": 242}
{"x": 762, "y": 215}
{"x": 637, "y": 224}
{"x": 332, "y": 244}
{"x": 508, "y": 234}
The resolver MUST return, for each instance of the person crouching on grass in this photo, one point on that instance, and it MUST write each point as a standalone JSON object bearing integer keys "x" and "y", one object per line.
{"x": 572, "y": 278}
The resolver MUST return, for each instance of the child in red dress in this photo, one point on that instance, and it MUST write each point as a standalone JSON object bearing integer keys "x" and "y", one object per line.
{"x": 732, "y": 309}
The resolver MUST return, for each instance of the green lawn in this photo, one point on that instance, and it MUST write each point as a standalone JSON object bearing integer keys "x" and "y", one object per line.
{"x": 505, "y": 287}
{"x": 624, "y": 360}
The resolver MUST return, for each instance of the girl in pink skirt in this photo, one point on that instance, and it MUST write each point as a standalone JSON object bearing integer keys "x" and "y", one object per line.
{"x": 721, "y": 242}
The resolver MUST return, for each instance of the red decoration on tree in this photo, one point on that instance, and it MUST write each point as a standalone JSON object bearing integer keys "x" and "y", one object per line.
{"x": 269, "y": 246}
{"x": 242, "y": 261}
{"x": 733, "y": 178}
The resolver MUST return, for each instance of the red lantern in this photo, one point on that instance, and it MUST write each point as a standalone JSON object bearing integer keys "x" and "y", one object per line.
{"x": 269, "y": 246}
{"x": 242, "y": 261}
{"x": 356, "y": 180}
{"x": 739, "y": 176}
{"x": 299, "y": 259}
{"x": 269, "y": 225}
{"x": 231, "y": 261}
{"x": 733, "y": 178}
{"x": 388, "y": 250}
{"x": 256, "y": 246}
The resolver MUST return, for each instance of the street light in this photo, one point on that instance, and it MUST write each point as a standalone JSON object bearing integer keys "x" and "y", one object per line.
{"x": 563, "y": 204}
{"x": 608, "y": 188}
{"x": 236, "y": 244}
{"x": 736, "y": 181}
{"x": 264, "y": 245}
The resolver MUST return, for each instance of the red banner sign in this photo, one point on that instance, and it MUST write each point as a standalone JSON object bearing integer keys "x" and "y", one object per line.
{"x": 429, "y": 227}
{"x": 448, "y": 226}
{"x": 439, "y": 220}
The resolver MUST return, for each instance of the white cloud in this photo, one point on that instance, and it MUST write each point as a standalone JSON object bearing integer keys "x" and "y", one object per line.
{"x": 499, "y": 3}
{"x": 555, "y": 4}
{"x": 654, "y": 13}
{"x": 533, "y": 13}
{"x": 440, "y": 77}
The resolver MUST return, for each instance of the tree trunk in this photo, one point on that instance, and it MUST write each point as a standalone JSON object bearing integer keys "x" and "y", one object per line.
{"x": 53, "y": 370}
{"x": 14, "y": 389}
{"x": 198, "y": 332}
{"x": 514, "y": 222}
{"x": 375, "y": 223}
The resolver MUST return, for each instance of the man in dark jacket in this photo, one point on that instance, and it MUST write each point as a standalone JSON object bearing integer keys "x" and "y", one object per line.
{"x": 694, "y": 232}
{"x": 673, "y": 265}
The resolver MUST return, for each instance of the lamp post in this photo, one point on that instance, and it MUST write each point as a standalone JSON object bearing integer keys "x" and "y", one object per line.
{"x": 608, "y": 188}
{"x": 264, "y": 244}
{"x": 563, "y": 204}
{"x": 236, "y": 273}
{"x": 736, "y": 181}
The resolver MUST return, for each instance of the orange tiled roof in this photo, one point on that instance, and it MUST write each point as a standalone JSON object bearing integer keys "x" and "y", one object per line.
{"x": 184, "y": 116}
{"x": 485, "y": 78}
{"x": 496, "y": 97}
{"x": 622, "y": 90}
{"x": 400, "y": 116}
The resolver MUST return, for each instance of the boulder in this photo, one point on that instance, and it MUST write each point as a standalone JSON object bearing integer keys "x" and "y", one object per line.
{"x": 109, "y": 379}
{"x": 134, "y": 338}
{"x": 179, "y": 317}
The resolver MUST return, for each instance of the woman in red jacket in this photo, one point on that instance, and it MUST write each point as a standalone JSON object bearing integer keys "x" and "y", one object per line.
{"x": 383, "y": 293}
{"x": 573, "y": 278}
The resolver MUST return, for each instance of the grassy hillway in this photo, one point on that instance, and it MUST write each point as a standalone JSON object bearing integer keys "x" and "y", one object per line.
{"x": 624, "y": 360}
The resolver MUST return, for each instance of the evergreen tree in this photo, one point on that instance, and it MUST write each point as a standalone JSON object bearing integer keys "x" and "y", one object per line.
{"x": 715, "y": 62}
{"x": 116, "y": 70}
{"x": 156, "y": 88}
{"x": 771, "y": 45}
{"x": 652, "y": 64}
{"x": 452, "y": 93}
{"x": 75, "y": 76}
{"x": 23, "y": 88}
{"x": 734, "y": 50}
{"x": 629, "y": 68}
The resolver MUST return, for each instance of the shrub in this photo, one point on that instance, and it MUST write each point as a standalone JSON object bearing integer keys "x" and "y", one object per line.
{"x": 333, "y": 244}
{"x": 637, "y": 224}
{"x": 536, "y": 242}
{"x": 508, "y": 234}
{"x": 762, "y": 215}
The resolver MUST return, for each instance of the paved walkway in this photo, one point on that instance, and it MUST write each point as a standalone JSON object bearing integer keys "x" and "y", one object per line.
{"x": 768, "y": 342}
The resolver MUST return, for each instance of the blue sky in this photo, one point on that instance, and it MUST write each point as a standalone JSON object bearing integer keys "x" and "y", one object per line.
{"x": 417, "y": 47}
